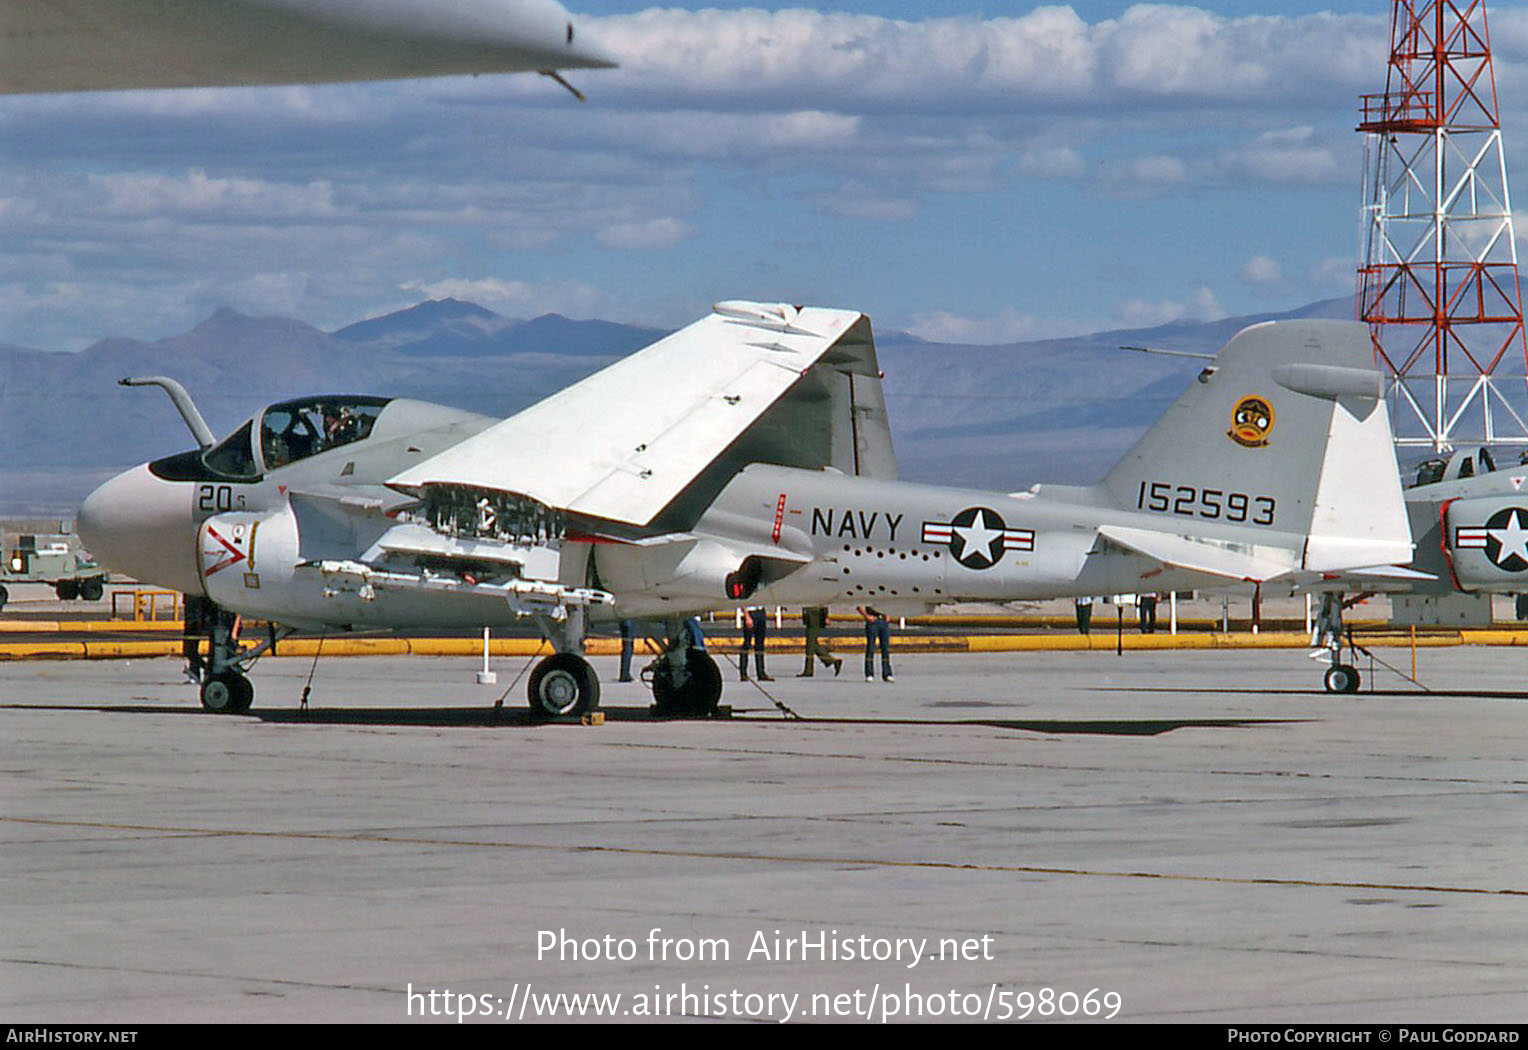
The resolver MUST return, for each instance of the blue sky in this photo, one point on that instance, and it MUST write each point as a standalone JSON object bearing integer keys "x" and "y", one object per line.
{"x": 985, "y": 172}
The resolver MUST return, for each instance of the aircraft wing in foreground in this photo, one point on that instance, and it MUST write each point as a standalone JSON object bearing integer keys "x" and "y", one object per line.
{"x": 744, "y": 459}
{"x": 101, "y": 45}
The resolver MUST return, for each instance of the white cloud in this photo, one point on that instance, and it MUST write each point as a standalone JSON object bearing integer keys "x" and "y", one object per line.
{"x": 1261, "y": 271}
{"x": 1291, "y": 155}
{"x": 481, "y": 290}
{"x": 691, "y": 133}
{"x": 860, "y": 200}
{"x": 788, "y": 122}
{"x": 808, "y": 128}
{"x": 865, "y": 56}
{"x": 145, "y": 193}
{"x": 653, "y": 233}
{"x": 1046, "y": 56}
{"x": 1009, "y": 326}
{"x": 571, "y": 298}
{"x": 1200, "y": 306}
{"x": 282, "y": 294}
{"x": 1143, "y": 176}
{"x": 1335, "y": 275}
{"x": 1158, "y": 170}
{"x": 1051, "y": 162}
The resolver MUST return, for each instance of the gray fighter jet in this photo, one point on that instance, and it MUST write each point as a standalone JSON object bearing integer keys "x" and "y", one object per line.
{"x": 745, "y": 459}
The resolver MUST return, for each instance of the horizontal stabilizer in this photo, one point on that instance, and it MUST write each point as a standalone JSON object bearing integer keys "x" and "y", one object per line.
{"x": 1391, "y": 572}
{"x": 1233, "y": 561}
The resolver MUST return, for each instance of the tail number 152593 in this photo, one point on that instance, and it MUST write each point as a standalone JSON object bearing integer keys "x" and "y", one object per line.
{"x": 1190, "y": 501}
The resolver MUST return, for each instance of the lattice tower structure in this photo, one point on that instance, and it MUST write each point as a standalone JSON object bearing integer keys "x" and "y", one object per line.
{"x": 1438, "y": 285}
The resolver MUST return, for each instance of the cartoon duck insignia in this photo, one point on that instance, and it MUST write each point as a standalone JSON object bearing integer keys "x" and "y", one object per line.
{"x": 1251, "y": 420}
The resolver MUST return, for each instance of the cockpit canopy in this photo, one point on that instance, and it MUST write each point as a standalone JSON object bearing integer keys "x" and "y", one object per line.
{"x": 295, "y": 430}
{"x": 288, "y": 432}
{"x": 1465, "y": 463}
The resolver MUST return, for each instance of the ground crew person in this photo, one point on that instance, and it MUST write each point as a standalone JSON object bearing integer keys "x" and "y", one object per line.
{"x": 876, "y": 630}
{"x": 815, "y": 619}
{"x": 754, "y": 621}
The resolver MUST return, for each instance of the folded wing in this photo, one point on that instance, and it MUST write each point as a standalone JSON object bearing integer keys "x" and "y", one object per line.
{"x": 624, "y": 443}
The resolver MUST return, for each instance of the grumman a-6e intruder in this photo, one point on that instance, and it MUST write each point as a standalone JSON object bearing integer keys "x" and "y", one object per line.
{"x": 745, "y": 458}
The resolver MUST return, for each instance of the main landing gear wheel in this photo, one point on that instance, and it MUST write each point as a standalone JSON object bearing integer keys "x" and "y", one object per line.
{"x": 563, "y": 684}
{"x": 696, "y": 695}
{"x": 227, "y": 692}
{"x": 1341, "y": 678}
{"x": 91, "y": 590}
{"x": 67, "y": 590}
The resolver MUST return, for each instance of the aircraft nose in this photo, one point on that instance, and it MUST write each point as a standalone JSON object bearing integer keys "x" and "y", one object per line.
{"x": 142, "y": 526}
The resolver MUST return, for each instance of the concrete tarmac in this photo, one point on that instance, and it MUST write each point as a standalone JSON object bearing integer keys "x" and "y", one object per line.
{"x": 1162, "y": 836}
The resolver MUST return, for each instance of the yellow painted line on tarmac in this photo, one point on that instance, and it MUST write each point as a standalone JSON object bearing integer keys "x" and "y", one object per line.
{"x": 1485, "y": 636}
{"x": 86, "y": 626}
{"x": 1103, "y": 622}
{"x": 117, "y": 649}
{"x": 120, "y": 625}
{"x": 59, "y": 650}
{"x": 501, "y": 647}
{"x": 129, "y": 649}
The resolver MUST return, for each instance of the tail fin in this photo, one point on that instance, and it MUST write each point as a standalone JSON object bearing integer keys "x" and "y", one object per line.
{"x": 1287, "y": 430}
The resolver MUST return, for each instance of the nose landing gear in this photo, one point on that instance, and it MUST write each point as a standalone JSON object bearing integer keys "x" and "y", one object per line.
{"x": 225, "y": 686}
{"x": 227, "y": 692}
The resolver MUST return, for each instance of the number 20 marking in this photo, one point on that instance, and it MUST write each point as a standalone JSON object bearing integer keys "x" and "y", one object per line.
{"x": 216, "y": 498}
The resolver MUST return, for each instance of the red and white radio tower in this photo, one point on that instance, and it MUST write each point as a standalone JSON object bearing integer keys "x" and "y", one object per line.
{"x": 1438, "y": 284}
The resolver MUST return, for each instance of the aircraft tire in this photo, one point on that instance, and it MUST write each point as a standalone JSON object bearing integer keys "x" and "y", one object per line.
{"x": 1341, "y": 678}
{"x": 698, "y": 696}
{"x": 5, "y": 596}
{"x": 227, "y": 693}
{"x": 563, "y": 684}
{"x": 92, "y": 589}
{"x": 67, "y": 590}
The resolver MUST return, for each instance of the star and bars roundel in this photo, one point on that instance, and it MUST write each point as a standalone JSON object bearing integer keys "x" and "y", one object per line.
{"x": 978, "y": 537}
{"x": 1504, "y": 538}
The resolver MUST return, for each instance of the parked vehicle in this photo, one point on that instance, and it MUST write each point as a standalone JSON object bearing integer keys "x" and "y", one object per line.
{"x": 40, "y": 558}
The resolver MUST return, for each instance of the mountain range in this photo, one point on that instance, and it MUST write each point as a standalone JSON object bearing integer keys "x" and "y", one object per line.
{"x": 1059, "y": 410}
